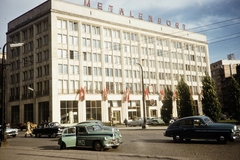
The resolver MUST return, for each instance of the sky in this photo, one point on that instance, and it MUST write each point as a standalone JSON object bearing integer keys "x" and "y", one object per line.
{"x": 219, "y": 20}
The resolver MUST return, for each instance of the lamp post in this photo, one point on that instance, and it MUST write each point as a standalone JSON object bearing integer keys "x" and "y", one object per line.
{"x": 3, "y": 108}
{"x": 143, "y": 99}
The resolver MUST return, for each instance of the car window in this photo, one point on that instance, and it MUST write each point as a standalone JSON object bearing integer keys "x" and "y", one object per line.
{"x": 187, "y": 122}
{"x": 196, "y": 122}
{"x": 81, "y": 130}
{"x": 208, "y": 121}
{"x": 94, "y": 128}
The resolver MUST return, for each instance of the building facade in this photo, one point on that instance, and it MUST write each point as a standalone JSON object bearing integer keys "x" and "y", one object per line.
{"x": 221, "y": 72}
{"x": 80, "y": 63}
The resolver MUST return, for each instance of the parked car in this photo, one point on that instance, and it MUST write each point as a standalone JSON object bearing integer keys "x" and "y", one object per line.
{"x": 157, "y": 121}
{"x": 88, "y": 135}
{"x": 149, "y": 120}
{"x": 201, "y": 127}
{"x": 173, "y": 120}
{"x": 51, "y": 129}
{"x": 101, "y": 124}
{"x": 136, "y": 122}
{"x": 11, "y": 131}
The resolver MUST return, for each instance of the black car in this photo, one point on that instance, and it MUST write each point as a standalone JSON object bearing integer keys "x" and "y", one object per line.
{"x": 201, "y": 127}
{"x": 51, "y": 129}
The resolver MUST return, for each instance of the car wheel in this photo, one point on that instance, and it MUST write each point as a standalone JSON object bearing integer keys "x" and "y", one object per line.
{"x": 63, "y": 146}
{"x": 114, "y": 147}
{"x": 177, "y": 137}
{"x": 14, "y": 135}
{"x": 97, "y": 146}
{"x": 54, "y": 135}
{"x": 222, "y": 138}
{"x": 39, "y": 135}
{"x": 36, "y": 135}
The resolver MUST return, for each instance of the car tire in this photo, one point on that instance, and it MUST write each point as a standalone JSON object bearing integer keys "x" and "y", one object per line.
{"x": 39, "y": 135}
{"x": 222, "y": 138}
{"x": 97, "y": 146}
{"x": 54, "y": 135}
{"x": 14, "y": 135}
{"x": 63, "y": 146}
{"x": 177, "y": 137}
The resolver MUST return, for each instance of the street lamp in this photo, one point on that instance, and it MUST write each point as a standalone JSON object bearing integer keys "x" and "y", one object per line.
{"x": 3, "y": 108}
{"x": 143, "y": 99}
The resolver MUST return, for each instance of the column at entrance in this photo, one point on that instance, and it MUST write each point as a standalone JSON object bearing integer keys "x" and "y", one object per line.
{"x": 105, "y": 114}
{"x": 124, "y": 111}
{"x": 82, "y": 111}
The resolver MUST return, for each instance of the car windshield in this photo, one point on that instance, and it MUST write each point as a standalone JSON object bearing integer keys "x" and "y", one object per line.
{"x": 208, "y": 120}
{"x": 94, "y": 128}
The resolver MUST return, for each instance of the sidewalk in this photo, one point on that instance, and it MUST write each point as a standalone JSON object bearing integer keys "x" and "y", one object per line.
{"x": 151, "y": 127}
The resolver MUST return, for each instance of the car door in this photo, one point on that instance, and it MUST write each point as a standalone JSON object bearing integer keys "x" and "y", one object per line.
{"x": 82, "y": 139}
{"x": 187, "y": 128}
{"x": 69, "y": 137}
{"x": 200, "y": 130}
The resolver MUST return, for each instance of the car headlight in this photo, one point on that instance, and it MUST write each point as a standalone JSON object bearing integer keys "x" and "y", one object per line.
{"x": 235, "y": 128}
{"x": 105, "y": 138}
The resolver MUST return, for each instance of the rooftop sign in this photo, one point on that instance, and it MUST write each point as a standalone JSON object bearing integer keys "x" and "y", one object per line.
{"x": 140, "y": 15}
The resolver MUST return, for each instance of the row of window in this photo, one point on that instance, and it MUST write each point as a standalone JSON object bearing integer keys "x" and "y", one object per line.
{"x": 42, "y": 88}
{"x": 96, "y": 87}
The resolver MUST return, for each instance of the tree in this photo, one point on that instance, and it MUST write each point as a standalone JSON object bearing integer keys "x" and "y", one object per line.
{"x": 234, "y": 98}
{"x": 210, "y": 103}
{"x": 185, "y": 100}
{"x": 166, "y": 111}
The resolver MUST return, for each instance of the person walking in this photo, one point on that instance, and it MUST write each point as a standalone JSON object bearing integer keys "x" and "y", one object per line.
{"x": 28, "y": 130}
{"x": 126, "y": 122}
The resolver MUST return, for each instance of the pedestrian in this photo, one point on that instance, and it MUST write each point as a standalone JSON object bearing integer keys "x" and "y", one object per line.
{"x": 28, "y": 130}
{"x": 126, "y": 122}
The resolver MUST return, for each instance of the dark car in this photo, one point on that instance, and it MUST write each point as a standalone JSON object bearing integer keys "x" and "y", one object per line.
{"x": 51, "y": 129}
{"x": 201, "y": 127}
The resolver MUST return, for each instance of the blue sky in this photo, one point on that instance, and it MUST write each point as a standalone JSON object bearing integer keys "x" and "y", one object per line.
{"x": 219, "y": 20}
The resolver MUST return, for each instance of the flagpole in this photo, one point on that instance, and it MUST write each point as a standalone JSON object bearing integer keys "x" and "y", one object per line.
{"x": 143, "y": 99}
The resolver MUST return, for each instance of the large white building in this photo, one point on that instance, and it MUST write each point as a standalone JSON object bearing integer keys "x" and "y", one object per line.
{"x": 80, "y": 62}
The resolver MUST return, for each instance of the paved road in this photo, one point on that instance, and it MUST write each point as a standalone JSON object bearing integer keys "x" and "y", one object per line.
{"x": 138, "y": 144}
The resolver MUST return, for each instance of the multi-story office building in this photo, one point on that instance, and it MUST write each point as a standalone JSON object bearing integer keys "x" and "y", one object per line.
{"x": 79, "y": 63}
{"x": 221, "y": 71}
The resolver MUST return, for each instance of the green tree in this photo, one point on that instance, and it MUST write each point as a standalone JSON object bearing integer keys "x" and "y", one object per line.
{"x": 166, "y": 111}
{"x": 185, "y": 100}
{"x": 210, "y": 103}
{"x": 234, "y": 98}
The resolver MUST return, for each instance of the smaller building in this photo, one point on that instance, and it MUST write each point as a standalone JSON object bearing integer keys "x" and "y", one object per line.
{"x": 221, "y": 71}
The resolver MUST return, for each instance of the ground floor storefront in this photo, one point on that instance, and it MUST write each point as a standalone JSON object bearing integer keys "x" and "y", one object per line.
{"x": 72, "y": 111}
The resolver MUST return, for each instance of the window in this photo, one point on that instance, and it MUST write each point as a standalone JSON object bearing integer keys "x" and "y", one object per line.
{"x": 73, "y": 26}
{"x": 95, "y": 30}
{"x": 74, "y": 55}
{"x": 69, "y": 112}
{"x": 65, "y": 69}
{"x": 61, "y": 24}
{"x": 39, "y": 71}
{"x": 62, "y": 38}
{"x": 87, "y": 70}
{"x": 76, "y": 69}
{"x": 39, "y": 28}
{"x": 45, "y": 40}
{"x": 85, "y": 28}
